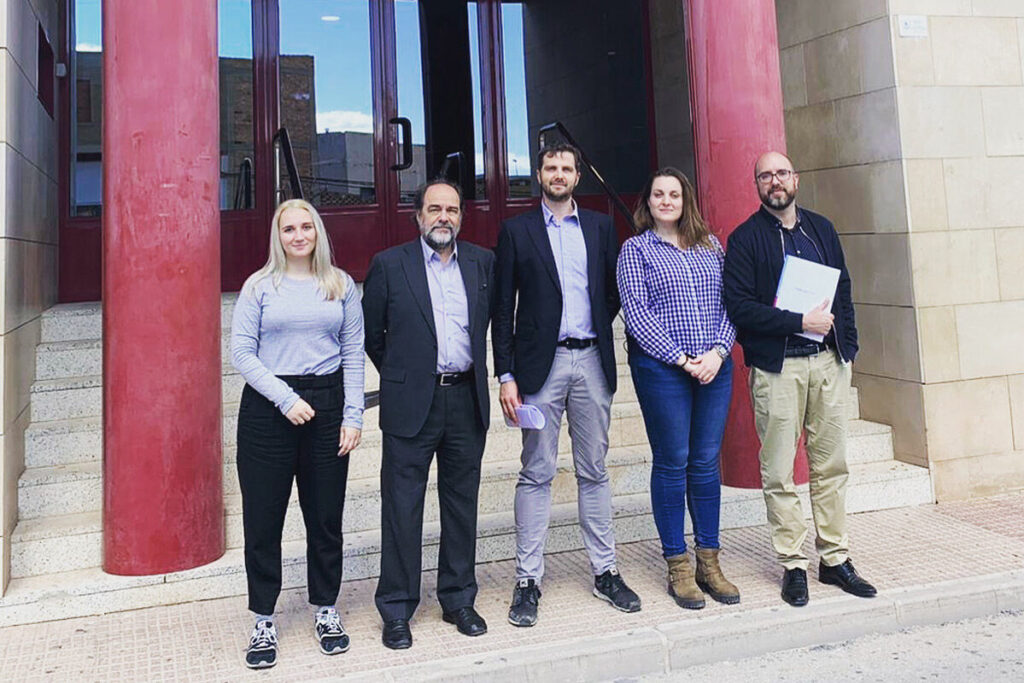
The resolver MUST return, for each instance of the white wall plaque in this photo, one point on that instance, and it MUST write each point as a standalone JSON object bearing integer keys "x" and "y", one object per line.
{"x": 913, "y": 26}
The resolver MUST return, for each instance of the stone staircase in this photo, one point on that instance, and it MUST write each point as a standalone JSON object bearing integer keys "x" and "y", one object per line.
{"x": 56, "y": 546}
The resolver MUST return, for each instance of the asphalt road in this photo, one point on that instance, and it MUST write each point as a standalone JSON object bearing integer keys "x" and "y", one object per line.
{"x": 989, "y": 650}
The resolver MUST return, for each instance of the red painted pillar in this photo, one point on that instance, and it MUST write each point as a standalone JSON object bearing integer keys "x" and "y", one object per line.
{"x": 736, "y": 99}
{"x": 162, "y": 500}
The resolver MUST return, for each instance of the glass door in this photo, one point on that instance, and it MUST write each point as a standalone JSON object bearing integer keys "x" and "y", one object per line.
{"x": 329, "y": 77}
{"x": 377, "y": 97}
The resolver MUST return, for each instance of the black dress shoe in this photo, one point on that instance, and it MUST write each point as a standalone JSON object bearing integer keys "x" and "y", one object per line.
{"x": 397, "y": 635}
{"x": 467, "y": 621}
{"x": 847, "y": 578}
{"x": 794, "y": 587}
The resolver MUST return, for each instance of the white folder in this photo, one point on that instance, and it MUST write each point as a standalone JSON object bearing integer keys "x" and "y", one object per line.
{"x": 803, "y": 285}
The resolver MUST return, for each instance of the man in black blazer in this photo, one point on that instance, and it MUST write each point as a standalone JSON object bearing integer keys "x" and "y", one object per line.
{"x": 427, "y": 305}
{"x": 552, "y": 333}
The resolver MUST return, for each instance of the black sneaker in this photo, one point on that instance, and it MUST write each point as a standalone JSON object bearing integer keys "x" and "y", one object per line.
{"x": 262, "y": 650}
{"x": 525, "y": 597}
{"x": 611, "y": 588}
{"x": 329, "y": 632}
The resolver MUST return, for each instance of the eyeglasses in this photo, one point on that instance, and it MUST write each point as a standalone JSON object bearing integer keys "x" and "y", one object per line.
{"x": 784, "y": 174}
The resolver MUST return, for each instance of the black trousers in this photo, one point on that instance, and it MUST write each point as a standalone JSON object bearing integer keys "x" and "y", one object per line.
{"x": 271, "y": 453}
{"x": 454, "y": 432}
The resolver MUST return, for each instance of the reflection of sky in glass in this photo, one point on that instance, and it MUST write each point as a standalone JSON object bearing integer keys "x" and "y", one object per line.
{"x": 516, "y": 124}
{"x": 344, "y": 98}
{"x": 343, "y": 93}
{"x": 88, "y": 26}
{"x": 234, "y": 28}
{"x": 408, "y": 65}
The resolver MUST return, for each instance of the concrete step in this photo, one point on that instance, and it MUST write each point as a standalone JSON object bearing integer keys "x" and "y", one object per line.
{"x": 90, "y": 591}
{"x": 870, "y": 444}
{"x": 84, "y": 321}
{"x": 86, "y": 591}
{"x": 69, "y": 398}
{"x": 79, "y": 438}
{"x": 76, "y": 538}
{"x": 77, "y": 486}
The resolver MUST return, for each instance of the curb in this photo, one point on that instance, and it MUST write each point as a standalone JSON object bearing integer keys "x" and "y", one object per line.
{"x": 674, "y": 646}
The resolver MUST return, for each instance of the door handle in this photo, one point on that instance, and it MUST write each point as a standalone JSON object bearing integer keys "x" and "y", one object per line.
{"x": 406, "y": 126}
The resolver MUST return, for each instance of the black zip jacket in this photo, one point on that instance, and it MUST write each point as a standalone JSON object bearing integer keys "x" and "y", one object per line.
{"x": 753, "y": 265}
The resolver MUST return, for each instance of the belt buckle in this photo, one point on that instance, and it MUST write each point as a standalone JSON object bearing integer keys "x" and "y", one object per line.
{"x": 446, "y": 379}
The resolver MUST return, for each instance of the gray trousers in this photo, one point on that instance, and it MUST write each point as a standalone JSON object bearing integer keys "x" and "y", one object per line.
{"x": 576, "y": 385}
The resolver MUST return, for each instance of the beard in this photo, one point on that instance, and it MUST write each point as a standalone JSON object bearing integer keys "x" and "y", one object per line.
{"x": 778, "y": 203}
{"x": 437, "y": 239}
{"x": 549, "y": 192}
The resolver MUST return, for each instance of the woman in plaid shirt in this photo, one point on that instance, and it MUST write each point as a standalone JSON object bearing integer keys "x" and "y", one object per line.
{"x": 679, "y": 339}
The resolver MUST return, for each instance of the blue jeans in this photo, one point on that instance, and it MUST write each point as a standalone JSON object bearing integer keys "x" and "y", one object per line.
{"x": 685, "y": 421}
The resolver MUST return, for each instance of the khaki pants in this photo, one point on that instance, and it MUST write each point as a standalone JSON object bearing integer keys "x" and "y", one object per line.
{"x": 809, "y": 394}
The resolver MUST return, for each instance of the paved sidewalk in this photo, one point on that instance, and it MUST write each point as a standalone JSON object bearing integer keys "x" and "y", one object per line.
{"x": 931, "y": 564}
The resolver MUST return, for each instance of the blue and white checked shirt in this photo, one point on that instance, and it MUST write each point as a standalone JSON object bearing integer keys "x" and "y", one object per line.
{"x": 672, "y": 299}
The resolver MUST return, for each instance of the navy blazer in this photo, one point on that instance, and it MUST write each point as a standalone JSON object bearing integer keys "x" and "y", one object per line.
{"x": 525, "y": 332}
{"x": 401, "y": 340}
{"x": 750, "y": 278}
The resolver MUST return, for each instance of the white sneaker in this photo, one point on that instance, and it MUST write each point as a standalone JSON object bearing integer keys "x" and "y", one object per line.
{"x": 329, "y": 632}
{"x": 262, "y": 650}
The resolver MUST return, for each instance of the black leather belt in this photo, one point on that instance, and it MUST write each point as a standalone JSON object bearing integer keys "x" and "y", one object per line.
{"x": 573, "y": 343}
{"x": 803, "y": 350}
{"x": 313, "y": 381}
{"x": 450, "y": 379}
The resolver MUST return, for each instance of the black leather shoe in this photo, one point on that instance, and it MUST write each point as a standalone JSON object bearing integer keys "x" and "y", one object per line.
{"x": 847, "y": 578}
{"x": 612, "y": 589}
{"x": 397, "y": 635}
{"x": 525, "y": 598}
{"x": 794, "y": 587}
{"x": 467, "y": 621}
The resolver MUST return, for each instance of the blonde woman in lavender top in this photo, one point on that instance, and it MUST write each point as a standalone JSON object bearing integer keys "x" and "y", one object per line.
{"x": 297, "y": 340}
{"x": 679, "y": 339}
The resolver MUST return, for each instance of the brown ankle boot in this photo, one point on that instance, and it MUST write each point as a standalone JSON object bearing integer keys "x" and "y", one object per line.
{"x": 711, "y": 580}
{"x": 681, "y": 585}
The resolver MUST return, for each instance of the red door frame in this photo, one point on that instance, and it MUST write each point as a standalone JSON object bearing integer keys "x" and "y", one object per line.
{"x": 356, "y": 232}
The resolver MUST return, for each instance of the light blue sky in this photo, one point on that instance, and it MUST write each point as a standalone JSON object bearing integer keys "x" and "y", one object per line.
{"x": 341, "y": 46}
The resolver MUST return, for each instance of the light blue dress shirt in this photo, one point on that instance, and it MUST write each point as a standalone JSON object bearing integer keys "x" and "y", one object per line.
{"x": 451, "y": 310}
{"x": 570, "y": 251}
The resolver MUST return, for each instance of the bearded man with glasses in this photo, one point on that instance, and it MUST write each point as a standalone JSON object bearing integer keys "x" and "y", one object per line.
{"x": 796, "y": 383}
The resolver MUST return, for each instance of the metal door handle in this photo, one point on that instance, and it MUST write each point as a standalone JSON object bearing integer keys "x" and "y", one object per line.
{"x": 406, "y": 126}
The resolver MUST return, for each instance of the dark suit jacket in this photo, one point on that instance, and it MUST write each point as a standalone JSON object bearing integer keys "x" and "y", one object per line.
{"x": 525, "y": 334}
{"x": 400, "y": 336}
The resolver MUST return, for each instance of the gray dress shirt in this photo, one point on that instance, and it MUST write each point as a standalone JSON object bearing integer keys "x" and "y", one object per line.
{"x": 570, "y": 251}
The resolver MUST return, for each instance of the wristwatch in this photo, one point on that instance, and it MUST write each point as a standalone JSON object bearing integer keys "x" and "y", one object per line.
{"x": 720, "y": 350}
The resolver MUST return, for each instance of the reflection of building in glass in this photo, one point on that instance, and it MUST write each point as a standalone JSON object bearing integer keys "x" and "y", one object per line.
{"x": 236, "y": 133}
{"x": 86, "y": 167}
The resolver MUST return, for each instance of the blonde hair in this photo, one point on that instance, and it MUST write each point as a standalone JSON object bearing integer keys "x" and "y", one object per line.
{"x": 330, "y": 280}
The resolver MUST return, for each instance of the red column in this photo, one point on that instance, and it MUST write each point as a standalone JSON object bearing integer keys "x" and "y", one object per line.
{"x": 162, "y": 500}
{"x": 736, "y": 99}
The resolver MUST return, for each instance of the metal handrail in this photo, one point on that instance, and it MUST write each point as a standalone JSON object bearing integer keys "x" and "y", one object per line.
{"x": 460, "y": 161}
{"x": 283, "y": 144}
{"x": 608, "y": 189}
{"x": 243, "y": 190}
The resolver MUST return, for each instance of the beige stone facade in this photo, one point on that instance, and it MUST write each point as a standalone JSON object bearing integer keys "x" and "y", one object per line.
{"x": 28, "y": 233}
{"x": 914, "y": 145}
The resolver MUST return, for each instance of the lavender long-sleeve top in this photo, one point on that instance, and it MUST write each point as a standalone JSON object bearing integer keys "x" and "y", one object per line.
{"x": 292, "y": 329}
